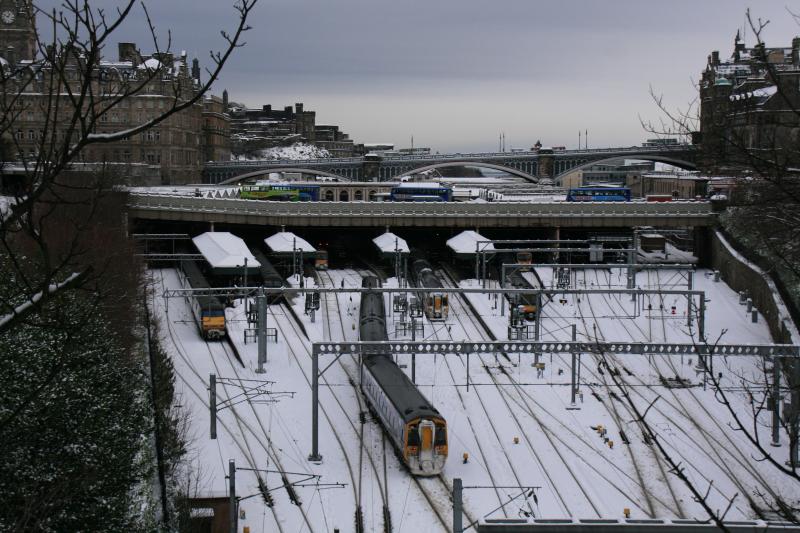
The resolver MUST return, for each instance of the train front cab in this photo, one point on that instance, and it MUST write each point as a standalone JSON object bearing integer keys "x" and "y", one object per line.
{"x": 425, "y": 449}
{"x": 436, "y": 307}
{"x": 213, "y": 323}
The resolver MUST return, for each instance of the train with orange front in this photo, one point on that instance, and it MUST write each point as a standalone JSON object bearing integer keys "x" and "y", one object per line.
{"x": 417, "y": 430}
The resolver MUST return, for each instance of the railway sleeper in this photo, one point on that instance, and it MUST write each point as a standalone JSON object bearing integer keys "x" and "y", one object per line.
{"x": 387, "y": 519}
{"x": 293, "y": 497}
{"x": 359, "y": 520}
{"x": 265, "y": 493}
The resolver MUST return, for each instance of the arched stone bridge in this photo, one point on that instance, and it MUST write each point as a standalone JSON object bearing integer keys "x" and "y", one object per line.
{"x": 532, "y": 166}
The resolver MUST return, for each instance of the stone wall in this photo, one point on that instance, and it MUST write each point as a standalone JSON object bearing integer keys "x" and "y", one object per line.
{"x": 743, "y": 275}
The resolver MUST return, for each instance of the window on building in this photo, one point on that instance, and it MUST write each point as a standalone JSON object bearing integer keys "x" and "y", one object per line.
{"x": 329, "y": 195}
{"x": 359, "y": 195}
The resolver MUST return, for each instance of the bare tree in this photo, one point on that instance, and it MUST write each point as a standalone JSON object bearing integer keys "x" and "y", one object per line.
{"x": 76, "y": 105}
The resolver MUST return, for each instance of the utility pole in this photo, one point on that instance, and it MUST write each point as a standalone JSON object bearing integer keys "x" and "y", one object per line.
{"x": 212, "y": 403}
{"x": 261, "y": 301}
{"x": 234, "y": 518}
{"x": 458, "y": 503}
{"x": 413, "y": 355}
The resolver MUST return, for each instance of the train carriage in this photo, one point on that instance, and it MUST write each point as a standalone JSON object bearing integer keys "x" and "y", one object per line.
{"x": 525, "y": 302}
{"x": 270, "y": 278}
{"x": 208, "y": 311}
{"x": 435, "y": 303}
{"x": 415, "y": 427}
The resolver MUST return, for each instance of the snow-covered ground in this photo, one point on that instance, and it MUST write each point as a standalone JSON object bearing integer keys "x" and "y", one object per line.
{"x": 513, "y": 421}
{"x": 295, "y": 152}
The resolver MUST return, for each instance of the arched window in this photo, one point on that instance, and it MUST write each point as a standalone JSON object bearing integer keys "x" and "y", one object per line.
{"x": 359, "y": 195}
{"x": 343, "y": 196}
{"x": 329, "y": 195}
{"x": 372, "y": 196}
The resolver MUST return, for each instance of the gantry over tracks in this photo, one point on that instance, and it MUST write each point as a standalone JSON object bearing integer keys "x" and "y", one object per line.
{"x": 421, "y": 214}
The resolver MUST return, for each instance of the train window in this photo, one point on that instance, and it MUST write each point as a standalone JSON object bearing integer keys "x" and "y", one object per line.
{"x": 441, "y": 435}
{"x": 413, "y": 435}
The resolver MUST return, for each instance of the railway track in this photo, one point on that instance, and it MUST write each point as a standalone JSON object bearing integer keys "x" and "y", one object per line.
{"x": 530, "y": 406}
{"x": 336, "y": 312}
{"x": 597, "y": 335}
{"x": 244, "y": 447}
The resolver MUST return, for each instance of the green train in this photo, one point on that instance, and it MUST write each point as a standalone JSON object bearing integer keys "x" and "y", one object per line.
{"x": 282, "y": 192}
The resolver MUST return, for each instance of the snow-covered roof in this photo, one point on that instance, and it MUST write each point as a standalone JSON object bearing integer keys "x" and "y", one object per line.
{"x": 389, "y": 242}
{"x": 151, "y": 64}
{"x": 224, "y": 250}
{"x": 466, "y": 242}
{"x": 286, "y": 241}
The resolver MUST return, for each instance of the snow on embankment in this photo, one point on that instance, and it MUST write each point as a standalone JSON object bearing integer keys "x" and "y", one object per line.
{"x": 295, "y": 152}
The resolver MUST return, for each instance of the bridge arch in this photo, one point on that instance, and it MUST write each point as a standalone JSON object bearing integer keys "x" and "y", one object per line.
{"x": 680, "y": 163}
{"x": 479, "y": 164}
{"x": 262, "y": 172}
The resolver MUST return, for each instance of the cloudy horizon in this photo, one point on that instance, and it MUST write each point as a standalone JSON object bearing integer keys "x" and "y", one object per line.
{"x": 456, "y": 73}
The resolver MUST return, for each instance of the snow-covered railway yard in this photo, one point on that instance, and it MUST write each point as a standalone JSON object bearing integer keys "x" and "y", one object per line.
{"x": 512, "y": 420}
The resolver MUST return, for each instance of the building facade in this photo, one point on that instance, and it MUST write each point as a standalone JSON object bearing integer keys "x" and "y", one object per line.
{"x": 749, "y": 105}
{"x": 216, "y": 130}
{"x": 254, "y": 129}
{"x": 174, "y": 148}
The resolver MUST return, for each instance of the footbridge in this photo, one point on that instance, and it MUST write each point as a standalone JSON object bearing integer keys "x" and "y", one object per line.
{"x": 144, "y": 206}
{"x": 544, "y": 164}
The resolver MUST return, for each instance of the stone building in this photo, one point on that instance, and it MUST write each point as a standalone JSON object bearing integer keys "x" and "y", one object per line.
{"x": 173, "y": 149}
{"x": 255, "y": 129}
{"x": 216, "y": 130}
{"x": 748, "y": 109}
{"x": 679, "y": 185}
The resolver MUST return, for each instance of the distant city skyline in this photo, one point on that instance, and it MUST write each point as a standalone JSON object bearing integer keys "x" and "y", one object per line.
{"x": 455, "y": 74}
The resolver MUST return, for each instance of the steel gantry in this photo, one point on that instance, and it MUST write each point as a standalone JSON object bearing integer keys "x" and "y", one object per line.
{"x": 467, "y": 348}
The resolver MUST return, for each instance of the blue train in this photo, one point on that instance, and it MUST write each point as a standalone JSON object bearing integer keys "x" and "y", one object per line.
{"x": 421, "y": 192}
{"x": 599, "y": 194}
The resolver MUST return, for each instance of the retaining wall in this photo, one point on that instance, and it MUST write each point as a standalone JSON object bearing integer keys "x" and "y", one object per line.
{"x": 742, "y": 275}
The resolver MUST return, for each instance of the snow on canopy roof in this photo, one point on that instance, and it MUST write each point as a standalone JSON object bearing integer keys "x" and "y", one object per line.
{"x": 224, "y": 250}
{"x": 389, "y": 242}
{"x": 466, "y": 242}
{"x": 285, "y": 241}
{"x": 421, "y": 185}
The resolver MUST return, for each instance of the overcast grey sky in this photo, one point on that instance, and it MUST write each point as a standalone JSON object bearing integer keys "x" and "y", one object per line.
{"x": 455, "y": 73}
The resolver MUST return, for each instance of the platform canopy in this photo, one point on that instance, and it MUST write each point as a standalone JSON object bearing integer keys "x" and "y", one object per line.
{"x": 388, "y": 244}
{"x": 465, "y": 244}
{"x": 225, "y": 253}
{"x": 285, "y": 242}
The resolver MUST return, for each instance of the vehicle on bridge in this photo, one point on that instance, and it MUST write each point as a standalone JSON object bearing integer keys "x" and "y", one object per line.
{"x": 599, "y": 194}
{"x": 286, "y": 192}
{"x": 416, "y": 429}
{"x": 421, "y": 192}
{"x": 659, "y": 198}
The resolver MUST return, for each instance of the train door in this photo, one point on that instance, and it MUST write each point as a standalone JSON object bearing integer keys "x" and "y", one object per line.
{"x": 426, "y": 431}
{"x": 437, "y": 306}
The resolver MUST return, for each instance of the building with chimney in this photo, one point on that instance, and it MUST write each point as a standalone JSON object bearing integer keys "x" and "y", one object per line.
{"x": 256, "y": 129}
{"x": 174, "y": 150}
{"x": 749, "y": 109}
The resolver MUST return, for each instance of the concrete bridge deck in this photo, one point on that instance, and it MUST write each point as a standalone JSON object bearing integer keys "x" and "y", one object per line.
{"x": 411, "y": 214}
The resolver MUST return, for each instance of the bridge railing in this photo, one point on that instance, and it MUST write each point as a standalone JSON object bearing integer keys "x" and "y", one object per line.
{"x": 420, "y": 209}
{"x": 445, "y": 157}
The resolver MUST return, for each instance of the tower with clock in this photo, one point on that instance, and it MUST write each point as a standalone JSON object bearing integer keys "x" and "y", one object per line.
{"x": 17, "y": 29}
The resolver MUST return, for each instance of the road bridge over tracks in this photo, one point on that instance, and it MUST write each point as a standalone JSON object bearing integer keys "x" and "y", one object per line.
{"x": 535, "y": 166}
